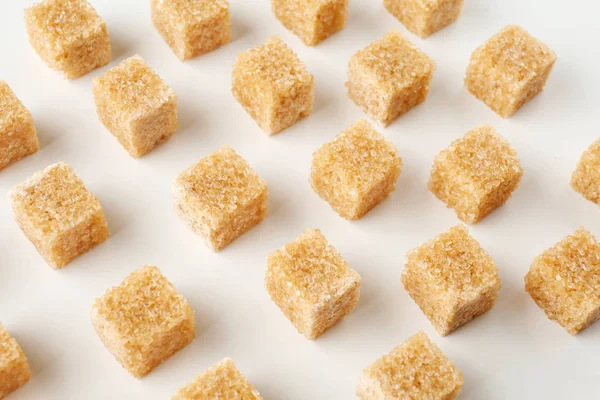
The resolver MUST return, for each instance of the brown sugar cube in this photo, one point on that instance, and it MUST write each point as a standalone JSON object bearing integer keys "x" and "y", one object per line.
{"x": 311, "y": 283}
{"x": 221, "y": 381}
{"x": 476, "y": 174}
{"x": 136, "y": 106}
{"x": 424, "y": 18}
{"x": 273, "y": 86}
{"x": 14, "y": 368}
{"x": 312, "y": 21}
{"x": 221, "y": 197}
{"x": 69, "y": 36}
{"x": 143, "y": 321}
{"x": 389, "y": 77}
{"x": 564, "y": 281}
{"x": 586, "y": 177}
{"x": 416, "y": 370}
{"x": 18, "y": 137}
{"x": 192, "y": 27}
{"x": 452, "y": 279}
{"x": 509, "y": 69}
{"x": 356, "y": 170}
{"x": 58, "y": 214}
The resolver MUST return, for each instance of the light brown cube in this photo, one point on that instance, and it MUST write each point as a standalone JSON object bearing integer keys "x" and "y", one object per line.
{"x": 508, "y": 70}
{"x": 564, "y": 281}
{"x": 273, "y": 86}
{"x": 136, "y": 106}
{"x": 14, "y": 368}
{"x": 221, "y": 197}
{"x": 389, "y": 77}
{"x": 69, "y": 36}
{"x": 18, "y": 137}
{"x": 221, "y": 381}
{"x": 586, "y": 177}
{"x": 192, "y": 27}
{"x": 143, "y": 321}
{"x": 312, "y": 21}
{"x": 425, "y": 17}
{"x": 58, "y": 214}
{"x": 356, "y": 170}
{"x": 476, "y": 174}
{"x": 452, "y": 279}
{"x": 415, "y": 370}
{"x": 311, "y": 283}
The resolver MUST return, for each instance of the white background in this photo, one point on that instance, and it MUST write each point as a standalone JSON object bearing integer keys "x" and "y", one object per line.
{"x": 512, "y": 352}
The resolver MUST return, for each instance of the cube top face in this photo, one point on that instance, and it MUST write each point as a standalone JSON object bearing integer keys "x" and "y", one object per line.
{"x": 425, "y": 17}
{"x": 586, "y": 177}
{"x": 12, "y": 111}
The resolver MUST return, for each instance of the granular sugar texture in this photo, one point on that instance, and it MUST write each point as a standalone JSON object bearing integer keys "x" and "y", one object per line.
{"x": 425, "y": 17}
{"x": 14, "y": 368}
{"x": 586, "y": 177}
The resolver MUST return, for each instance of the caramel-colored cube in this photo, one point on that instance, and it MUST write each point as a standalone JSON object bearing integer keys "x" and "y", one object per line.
{"x": 14, "y": 368}
{"x": 221, "y": 197}
{"x": 18, "y": 137}
{"x": 424, "y": 18}
{"x": 452, "y": 279}
{"x": 586, "y": 177}
{"x": 273, "y": 86}
{"x": 389, "y": 77}
{"x": 356, "y": 170}
{"x": 192, "y": 27}
{"x": 509, "y": 69}
{"x": 136, "y": 106}
{"x": 221, "y": 381}
{"x": 69, "y": 36}
{"x": 312, "y": 21}
{"x": 415, "y": 370}
{"x": 476, "y": 174}
{"x": 564, "y": 281}
{"x": 143, "y": 321}
{"x": 311, "y": 283}
{"x": 58, "y": 214}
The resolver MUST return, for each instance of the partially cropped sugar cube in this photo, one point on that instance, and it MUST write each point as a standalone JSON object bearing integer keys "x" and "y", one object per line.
{"x": 508, "y": 70}
{"x": 311, "y": 283}
{"x": 192, "y": 27}
{"x": 18, "y": 137}
{"x": 69, "y": 36}
{"x": 14, "y": 368}
{"x": 424, "y": 18}
{"x": 58, "y": 214}
{"x": 143, "y": 321}
{"x": 221, "y": 197}
{"x": 312, "y": 21}
{"x": 416, "y": 370}
{"x": 452, "y": 279}
{"x": 389, "y": 77}
{"x": 221, "y": 381}
{"x": 564, "y": 281}
{"x": 136, "y": 106}
{"x": 476, "y": 174}
{"x": 356, "y": 170}
{"x": 273, "y": 86}
{"x": 586, "y": 177}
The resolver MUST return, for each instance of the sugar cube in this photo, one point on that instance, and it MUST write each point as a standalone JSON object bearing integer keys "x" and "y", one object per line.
{"x": 416, "y": 370}
{"x": 389, "y": 77}
{"x": 69, "y": 36}
{"x": 509, "y": 69}
{"x": 136, "y": 106}
{"x": 452, "y": 279}
{"x": 312, "y": 21}
{"x": 273, "y": 86}
{"x": 18, "y": 137}
{"x": 311, "y": 283}
{"x": 221, "y": 381}
{"x": 564, "y": 281}
{"x": 424, "y": 18}
{"x": 143, "y": 321}
{"x": 586, "y": 177}
{"x": 58, "y": 214}
{"x": 476, "y": 174}
{"x": 192, "y": 27}
{"x": 221, "y": 197}
{"x": 356, "y": 170}
{"x": 14, "y": 368}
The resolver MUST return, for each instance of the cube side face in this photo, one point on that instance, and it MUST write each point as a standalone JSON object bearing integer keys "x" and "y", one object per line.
{"x": 150, "y": 130}
{"x": 586, "y": 177}
{"x": 423, "y": 18}
{"x": 291, "y": 106}
{"x": 14, "y": 367}
{"x": 333, "y": 311}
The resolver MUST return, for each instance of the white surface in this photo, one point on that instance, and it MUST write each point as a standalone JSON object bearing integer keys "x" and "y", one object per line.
{"x": 512, "y": 352}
